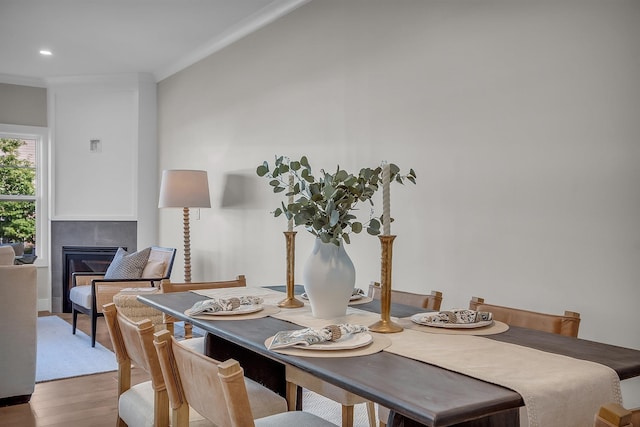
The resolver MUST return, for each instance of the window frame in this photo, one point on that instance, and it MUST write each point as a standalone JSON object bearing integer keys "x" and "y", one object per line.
{"x": 42, "y": 137}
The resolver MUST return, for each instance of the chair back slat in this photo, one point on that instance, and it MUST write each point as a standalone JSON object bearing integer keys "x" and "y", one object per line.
{"x": 194, "y": 379}
{"x": 432, "y": 301}
{"x": 168, "y": 286}
{"x": 567, "y": 324}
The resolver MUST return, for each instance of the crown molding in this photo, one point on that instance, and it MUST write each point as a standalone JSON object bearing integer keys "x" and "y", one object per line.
{"x": 22, "y": 81}
{"x": 265, "y": 16}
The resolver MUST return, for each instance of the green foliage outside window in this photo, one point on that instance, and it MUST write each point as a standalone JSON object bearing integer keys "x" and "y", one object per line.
{"x": 17, "y": 178}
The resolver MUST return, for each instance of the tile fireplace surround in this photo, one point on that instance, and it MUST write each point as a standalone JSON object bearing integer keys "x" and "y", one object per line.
{"x": 84, "y": 233}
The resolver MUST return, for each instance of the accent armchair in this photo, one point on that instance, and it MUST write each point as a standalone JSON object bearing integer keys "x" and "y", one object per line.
{"x": 90, "y": 290}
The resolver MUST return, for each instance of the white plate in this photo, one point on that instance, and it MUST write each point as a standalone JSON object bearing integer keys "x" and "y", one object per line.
{"x": 352, "y": 298}
{"x": 420, "y": 320}
{"x": 347, "y": 343}
{"x": 243, "y": 309}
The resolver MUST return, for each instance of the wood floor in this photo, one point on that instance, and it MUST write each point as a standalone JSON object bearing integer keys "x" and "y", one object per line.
{"x": 88, "y": 401}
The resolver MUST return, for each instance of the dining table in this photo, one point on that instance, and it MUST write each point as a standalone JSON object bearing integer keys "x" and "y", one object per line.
{"x": 417, "y": 393}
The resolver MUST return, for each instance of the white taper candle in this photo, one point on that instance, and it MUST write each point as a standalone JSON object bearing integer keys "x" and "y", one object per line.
{"x": 386, "y": 200}
{"x": 290, "y": 201}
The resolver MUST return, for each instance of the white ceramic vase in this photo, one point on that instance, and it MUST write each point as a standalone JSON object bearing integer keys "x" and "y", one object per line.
{"x": 329, "y": 278}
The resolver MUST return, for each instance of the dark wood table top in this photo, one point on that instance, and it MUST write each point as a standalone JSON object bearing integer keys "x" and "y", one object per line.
{"x": 420, "y": 391}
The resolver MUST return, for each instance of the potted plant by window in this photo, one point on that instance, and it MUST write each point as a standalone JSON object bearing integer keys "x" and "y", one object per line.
{"x": 326, "y": 205}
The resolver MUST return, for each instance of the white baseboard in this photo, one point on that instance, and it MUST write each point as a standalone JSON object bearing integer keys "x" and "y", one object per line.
{"x": 44, "y": 304}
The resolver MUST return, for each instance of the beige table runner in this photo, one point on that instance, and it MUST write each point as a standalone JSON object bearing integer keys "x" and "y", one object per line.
{"x": 558, "y": 391}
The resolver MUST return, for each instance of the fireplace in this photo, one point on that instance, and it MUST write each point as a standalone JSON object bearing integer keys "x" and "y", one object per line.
{"x": 83, "y": 259}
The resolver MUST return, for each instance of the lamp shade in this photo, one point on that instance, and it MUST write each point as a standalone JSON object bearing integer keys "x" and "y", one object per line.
{"x": 184, "y": 189}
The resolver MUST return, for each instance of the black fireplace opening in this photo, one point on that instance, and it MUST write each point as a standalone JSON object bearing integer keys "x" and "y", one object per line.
{"x": 83, "y": 259}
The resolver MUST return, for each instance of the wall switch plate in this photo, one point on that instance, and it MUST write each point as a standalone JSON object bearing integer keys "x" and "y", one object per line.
{"x": 95, "y": 146}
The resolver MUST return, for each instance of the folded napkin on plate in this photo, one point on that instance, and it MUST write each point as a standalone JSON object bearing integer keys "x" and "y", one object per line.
{"x": 458, "y": 316}
{"x": 215, "y": 305}
{"x": 310, "y": 336}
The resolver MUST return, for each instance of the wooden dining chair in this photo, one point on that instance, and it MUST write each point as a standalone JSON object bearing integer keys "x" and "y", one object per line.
{"x": 168, "y": 286}
{"x": 218, "y": 391}
{"x": 433, "y": 301}
{"x": 147, "y": 403}
{"x": 615, "y": 415}
{"x": 566, "y": 324}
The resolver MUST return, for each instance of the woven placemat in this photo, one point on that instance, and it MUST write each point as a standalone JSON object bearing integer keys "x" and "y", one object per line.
{"x": 379, "y": 343}
{"x": 267, "y": 310}
{"x": 495, "y": 328}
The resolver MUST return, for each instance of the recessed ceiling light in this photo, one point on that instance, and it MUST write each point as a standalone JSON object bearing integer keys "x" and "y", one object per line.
{"x": 45, "y": 52}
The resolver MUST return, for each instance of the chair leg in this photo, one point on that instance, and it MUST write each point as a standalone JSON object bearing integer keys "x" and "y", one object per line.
{"x": 347, "y": 416}
{"x": 188, "y": 330}
{"x": 75, "y": 321}
{"x": 292, "y": 396}
{"x": 94, "y": 324}
{"x": 371, "y": 413}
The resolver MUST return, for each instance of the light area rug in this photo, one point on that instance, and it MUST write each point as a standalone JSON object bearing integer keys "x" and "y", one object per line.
{"x": 332, "y": 411}
{"x": 64, "y": 355}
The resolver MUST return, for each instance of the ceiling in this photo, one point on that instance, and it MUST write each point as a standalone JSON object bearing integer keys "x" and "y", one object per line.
{"x": 90, "y": 37}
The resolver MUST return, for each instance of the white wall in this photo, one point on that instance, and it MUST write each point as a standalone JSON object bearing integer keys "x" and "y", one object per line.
{"x": 520, "y": 119}
{"x": 118, "y": 183}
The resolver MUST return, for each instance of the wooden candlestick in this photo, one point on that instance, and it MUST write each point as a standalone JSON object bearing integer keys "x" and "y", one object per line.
{"x": 290, "y": 301}
{"x": 385, "y": 325}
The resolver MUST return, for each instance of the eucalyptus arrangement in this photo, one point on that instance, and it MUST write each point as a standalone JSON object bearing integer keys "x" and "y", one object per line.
{"x": 324, "y": 204}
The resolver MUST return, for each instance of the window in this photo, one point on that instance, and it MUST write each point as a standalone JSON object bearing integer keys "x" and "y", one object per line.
{"x": 21, "y": 188}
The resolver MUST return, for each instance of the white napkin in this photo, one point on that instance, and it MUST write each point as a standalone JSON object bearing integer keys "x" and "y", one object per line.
{"x": 215, "y": 305}
{"x": 309, "y": 336}
{"x": 457, "y": 315}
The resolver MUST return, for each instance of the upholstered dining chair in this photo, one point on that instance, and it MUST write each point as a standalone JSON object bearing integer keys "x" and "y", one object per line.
{"x": 218, "y": 391}
{"x": 567, "y": 324}
{"x": 615, "y": 415}
{"x": 433, "y": 301}
{"x": 91, "y": 290}
{"x": 147, "y": 403}
{"x": 168, "y": 286}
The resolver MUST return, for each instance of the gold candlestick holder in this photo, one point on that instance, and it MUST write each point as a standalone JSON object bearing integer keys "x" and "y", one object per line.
{"x": 385, "y": 325}
{"x": 290, "y": 301}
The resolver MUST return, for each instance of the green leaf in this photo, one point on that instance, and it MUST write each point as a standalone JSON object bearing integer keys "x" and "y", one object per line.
{"x": 274, "y": 182}
{"x": 263, "y": 169}
{"x": 294, "y": 165}
{"x": 356, "y": 227}
{"x": 278, "y": 189}
{"x": 277, "y": 212}
{"x": 304, "y": 162}
{"x": 335, "y": 216}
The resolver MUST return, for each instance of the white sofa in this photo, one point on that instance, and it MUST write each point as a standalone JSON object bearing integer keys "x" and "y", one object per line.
{"x": 18, "y": 317}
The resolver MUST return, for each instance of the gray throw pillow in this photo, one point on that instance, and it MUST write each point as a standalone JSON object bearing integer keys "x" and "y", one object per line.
{"x": 126, "y": 265}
